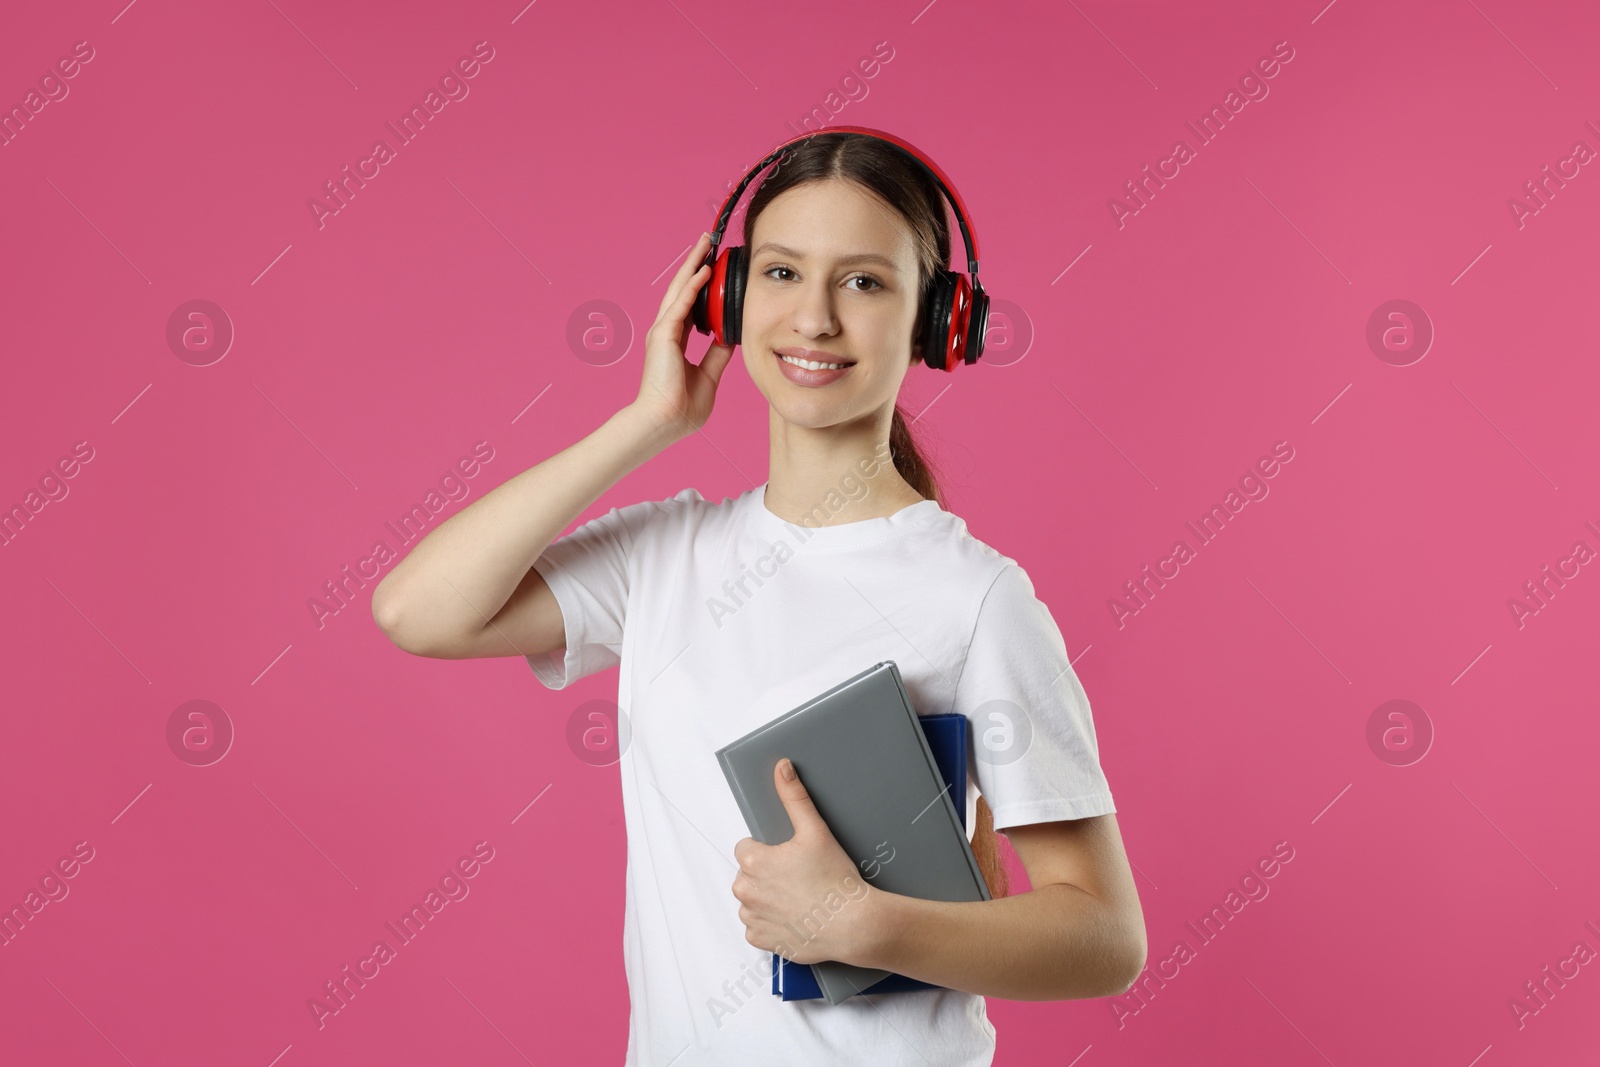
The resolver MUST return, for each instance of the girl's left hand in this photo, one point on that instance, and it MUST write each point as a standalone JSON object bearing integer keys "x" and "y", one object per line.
{"x": 803, "y": 899}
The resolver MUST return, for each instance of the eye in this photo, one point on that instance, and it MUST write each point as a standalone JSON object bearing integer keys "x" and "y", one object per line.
{"x": 874, "y": 287}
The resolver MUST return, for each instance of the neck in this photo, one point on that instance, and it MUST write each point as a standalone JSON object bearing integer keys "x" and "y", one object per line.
{"x": 835, "y": 474}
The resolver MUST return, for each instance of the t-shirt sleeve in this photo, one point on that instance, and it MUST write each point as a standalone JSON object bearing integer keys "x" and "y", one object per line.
{"x": 588, "y": 572}
{"x": 1034, "y": 753}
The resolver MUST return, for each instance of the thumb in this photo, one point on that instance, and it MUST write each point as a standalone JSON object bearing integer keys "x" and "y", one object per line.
{"x": 796, "y": 799}
{"x": 715, "y": 361}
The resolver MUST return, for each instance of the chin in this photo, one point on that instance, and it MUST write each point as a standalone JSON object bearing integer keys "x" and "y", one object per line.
{"x": 804, "y": 407}
{"x": 811, "y": 415}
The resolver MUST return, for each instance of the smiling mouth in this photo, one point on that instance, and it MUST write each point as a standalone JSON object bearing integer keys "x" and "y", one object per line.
{"x": 813, "y": 364}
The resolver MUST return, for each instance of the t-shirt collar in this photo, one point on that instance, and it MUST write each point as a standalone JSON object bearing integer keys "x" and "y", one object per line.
{"x": 841, "y": 535}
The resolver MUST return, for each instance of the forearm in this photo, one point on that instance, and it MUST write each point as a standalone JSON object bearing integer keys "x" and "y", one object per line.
{"x": 466, "y": 568}
{"x": 1053, "y": 943}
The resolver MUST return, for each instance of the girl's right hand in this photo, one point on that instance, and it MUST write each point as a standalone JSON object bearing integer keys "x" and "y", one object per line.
{"x": 673, "y": 390}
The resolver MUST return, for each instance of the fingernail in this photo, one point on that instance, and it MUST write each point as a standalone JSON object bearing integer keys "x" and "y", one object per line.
{"x": 786, "y": 768}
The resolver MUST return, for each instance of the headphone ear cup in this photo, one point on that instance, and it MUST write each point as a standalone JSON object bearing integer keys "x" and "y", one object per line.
{"x": 733, "y": 279}
{"x": 978, "y": 326}
{"x": 709, "y": 299}
{"x": 936, "y": 319}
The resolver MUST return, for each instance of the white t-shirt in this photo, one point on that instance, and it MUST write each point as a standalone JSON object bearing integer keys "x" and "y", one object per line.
{"x": 723, "y": 617}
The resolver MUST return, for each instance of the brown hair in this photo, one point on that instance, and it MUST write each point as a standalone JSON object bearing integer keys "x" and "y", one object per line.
{"x": 884, "y": 170}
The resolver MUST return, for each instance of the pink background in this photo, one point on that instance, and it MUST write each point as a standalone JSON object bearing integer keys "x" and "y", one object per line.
{"x": 432, "y": 312}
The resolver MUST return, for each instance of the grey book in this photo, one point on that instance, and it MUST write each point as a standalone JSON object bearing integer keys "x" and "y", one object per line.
{"x": 864, "y": 759}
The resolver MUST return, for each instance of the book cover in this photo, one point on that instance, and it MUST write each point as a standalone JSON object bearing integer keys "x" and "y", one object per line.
{"x": 947, "y": 736}
{"x": 873, "y": 777}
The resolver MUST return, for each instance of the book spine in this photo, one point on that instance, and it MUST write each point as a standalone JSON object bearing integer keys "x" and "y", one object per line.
{"x": 751, "y": 822}
{"x": 948, "y": 805}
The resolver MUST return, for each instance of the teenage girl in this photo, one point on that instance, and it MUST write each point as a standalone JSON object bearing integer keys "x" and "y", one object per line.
{"x": 723, "y": 616}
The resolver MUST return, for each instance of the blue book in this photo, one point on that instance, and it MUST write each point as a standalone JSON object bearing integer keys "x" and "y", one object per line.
{"x": 947, "y": 737}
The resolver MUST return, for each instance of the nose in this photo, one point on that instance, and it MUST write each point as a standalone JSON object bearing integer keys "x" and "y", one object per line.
{"x": 814, "y": 313}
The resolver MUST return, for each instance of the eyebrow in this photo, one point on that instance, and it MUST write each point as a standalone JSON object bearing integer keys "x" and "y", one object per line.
{"x": 860, "y": 257}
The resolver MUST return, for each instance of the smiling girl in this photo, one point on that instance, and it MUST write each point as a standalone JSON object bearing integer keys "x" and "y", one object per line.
{"x": 845, "y": 556}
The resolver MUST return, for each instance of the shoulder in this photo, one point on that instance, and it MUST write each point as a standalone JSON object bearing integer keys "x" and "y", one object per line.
{"x": 685, "y": 514}
{"x": 975, "y": 564}
{"x": 685, "y": 502}
{"x": 645, "y": 514}
{"x": 987, "y": 593}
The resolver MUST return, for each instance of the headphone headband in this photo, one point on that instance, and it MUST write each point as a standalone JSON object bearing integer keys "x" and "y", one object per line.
{"x": 968, "y": 237}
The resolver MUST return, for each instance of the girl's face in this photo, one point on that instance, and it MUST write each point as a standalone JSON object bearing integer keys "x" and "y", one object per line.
{"x": 833, "y": 279}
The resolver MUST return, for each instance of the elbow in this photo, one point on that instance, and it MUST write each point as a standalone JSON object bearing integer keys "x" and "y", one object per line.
{"x": 1128, "y": 977}
{"x": 384, "y": 609}
{"x": 1121, "y": 959}
{"x": 389, "y": 616}
{"x": 1113, "y": 967}
{"x": 1136, "y": 951}
{"x": 409, "y": 626}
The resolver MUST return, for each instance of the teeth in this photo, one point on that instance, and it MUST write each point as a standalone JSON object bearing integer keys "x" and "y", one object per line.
{"x": 812, "y": 364}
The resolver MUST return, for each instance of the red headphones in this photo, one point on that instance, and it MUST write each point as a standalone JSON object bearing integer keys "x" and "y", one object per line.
{"x": 955, "y": 312}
